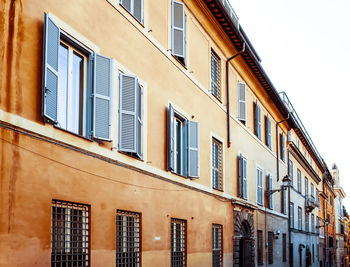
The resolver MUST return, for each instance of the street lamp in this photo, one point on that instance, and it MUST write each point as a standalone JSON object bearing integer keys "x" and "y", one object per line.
{"x": 326, "y": 222}
{"x": 285, "y": 184}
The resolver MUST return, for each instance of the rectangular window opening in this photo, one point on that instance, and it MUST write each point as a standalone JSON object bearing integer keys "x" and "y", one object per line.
{"x": 217, "y": 245}
{"x": 178, "y": 243}
{"x": 217, "y": 164}
{"x": 215, "y": 75}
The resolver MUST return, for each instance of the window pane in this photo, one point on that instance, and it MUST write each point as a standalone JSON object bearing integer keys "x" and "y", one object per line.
{"x": 62, "y": 86}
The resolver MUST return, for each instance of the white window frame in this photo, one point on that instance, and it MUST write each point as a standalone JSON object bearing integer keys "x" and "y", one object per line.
{"x": 217, "y": 60}
{"x": 242, "y": 101}
{"x": 221, "y": 163}
{"x": 132, "y": 11}
{"x": 260, "y": 187}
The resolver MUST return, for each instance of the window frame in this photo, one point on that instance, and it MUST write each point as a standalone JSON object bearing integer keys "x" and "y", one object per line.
{"x": 215, "y": 141}
{"x": 242, "y": 86}
{"x": 291, "y": 214}
{"x": 300, "y": 219}
{"x": 242, "y": 176}
{"x": 268, "y": 132}
{"x": 282, "y": 147}
{"x": 298, "y": 180}
{"x": 260, "y": 247}
{"x": 257, "y": 120}
{"x": 179, "y": 58}
{"x": 131, "y": 11}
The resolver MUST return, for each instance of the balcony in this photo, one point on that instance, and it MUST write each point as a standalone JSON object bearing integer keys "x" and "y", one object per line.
{"x": 310, "y": 203}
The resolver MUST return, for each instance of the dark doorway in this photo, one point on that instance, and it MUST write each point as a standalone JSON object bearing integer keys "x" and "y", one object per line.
{"x": 246, "y": 247}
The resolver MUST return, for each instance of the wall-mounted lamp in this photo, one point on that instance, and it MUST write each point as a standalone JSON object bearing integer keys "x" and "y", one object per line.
{"x": 285, "y": 184}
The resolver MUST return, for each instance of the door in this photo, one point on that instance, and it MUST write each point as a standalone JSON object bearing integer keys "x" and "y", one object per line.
{"x": 245, "y": 253}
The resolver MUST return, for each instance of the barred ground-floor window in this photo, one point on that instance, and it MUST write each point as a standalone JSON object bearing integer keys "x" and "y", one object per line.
{"x": 217, "y": 245}
{"x": 178, "y": 243}
{"x": 69, "y": 234}
{"x": 128, "y": 247}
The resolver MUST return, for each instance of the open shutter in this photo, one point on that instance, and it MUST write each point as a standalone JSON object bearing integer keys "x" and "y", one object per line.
{"x": 128, "y": 87}
{"x": 178, "y": 24}
{"x": 171, "y": 141}
{"x": 138, "y": 10}
{"x": 193, "y": 149}
{"x": 102, "y": 97}
{"x": 240, "y": 176}
{"x": 139, "y": 121}
{"x": 241, "y": 102}
{"x": 50, "y": 75}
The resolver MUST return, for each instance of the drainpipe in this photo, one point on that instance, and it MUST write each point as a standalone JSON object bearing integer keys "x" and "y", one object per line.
{"x": 228, "y": 95}
{"x": 277, "y": 156}
{"x": 289, "y": 229}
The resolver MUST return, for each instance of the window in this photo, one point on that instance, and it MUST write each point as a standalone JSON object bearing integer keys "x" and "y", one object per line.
{"x": 312, "y": 192}
{"x": 283, "y": 147}
{"x": 215, "y": 75}
{"x": 178, "y": 243}
{"x": 259, "y": 175}
{"x": 128, "y": 238}
{"x": 298, "y": 143}
{"x": 313, "y": 253}
{"x": 217, "y": 245}
{"x": 270, "y": 248}
{"x": 300, "y": 216}
{"x": 71, "y": 100}
{"x": 291, "y": 215}
{"x": 217, "y": 164}
{"x": 307, "y": 220}
{"x": 260, "y": 247}
{"x": 130, "y": 115}
{"x": 299, "y": 180}
{"x": 241, "y": 103}
{"x": 183, "y": 145}
{"x": 242, "y": 177}
{"x": 284, "y": 244}
{"x": 306, "y": 186}
{"x": 312, "y": 223}
{"x": 257, "y": 120}
{"x": 69, "y": 234}
{"x": 268, "y": 138}
{"x": 318, "y": 225}
{"x": 290, "y": 171}
{"x": 269, "y": 187}
{"x": 178, "y": 31}
{"x": 135, "y": 7}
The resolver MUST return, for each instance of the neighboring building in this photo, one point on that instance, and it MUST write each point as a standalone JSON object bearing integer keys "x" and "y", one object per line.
{"x": 340, "y": 218}
{"x": 305, "y": 168}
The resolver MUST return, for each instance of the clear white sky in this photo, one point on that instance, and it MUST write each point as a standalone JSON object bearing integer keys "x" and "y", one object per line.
{"x": 305, "y": 50}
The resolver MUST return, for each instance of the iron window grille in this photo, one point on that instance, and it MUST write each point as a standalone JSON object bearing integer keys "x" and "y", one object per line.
{"x": 217, "y": 245}
{"x": 215, "y": 75}
{"x": 128, "y": 245}
{"x": 178, "y": 243}
{"x": 69, "y": 234}
{"x": 284, "y": 244}
{"x": 217, "y": 164}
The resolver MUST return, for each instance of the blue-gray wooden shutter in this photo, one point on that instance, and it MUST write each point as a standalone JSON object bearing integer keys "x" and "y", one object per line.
{"x": 241, "y": 102}
{"x": 256, "y": 116}
{"x": 102, "y": 97}
{"x": 128, "y": 87}
{"x": 127, "y": 4}
{"x": 240, "y": 176}
{"x": 269, "y": 187}
{"x": 244, "y": 174}
{"x": 178, "y": 29}
{"x": 171, "y": 141}
{"x": 283, "y": 141}
{"x": 193, "y": 149}
{"x": 139, "y": 121}
{"x": 50, "y": 75}
{"x": 268, "y": 131}
{"x": 138, "y": 10}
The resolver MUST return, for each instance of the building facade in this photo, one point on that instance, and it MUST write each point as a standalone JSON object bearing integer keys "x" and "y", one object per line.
{"x": 147, "y": 133}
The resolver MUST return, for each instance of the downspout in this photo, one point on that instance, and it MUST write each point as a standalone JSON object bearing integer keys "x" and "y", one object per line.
{"x": 228, "y": 95}
{"x": 289, "y": 229}
{"x": 277, "y": 151}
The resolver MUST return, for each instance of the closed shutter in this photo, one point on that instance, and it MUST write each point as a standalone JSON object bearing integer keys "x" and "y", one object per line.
{"x": 257, "y": 120}
{"x": 240, "y": 176}
{"x": 269, "y": 187}
{"x": 171, "y": 141}
{"x": 128, "y": 87}
{"x": 283, "y": 141}
{"x": 127, "y": 4}
{"x": 241, "y": 102}
{"x": 268, "y": 131}
{"x": 50, "y": 75}
{"x": 193, "y": 149}
{"x": 138, "y": 10}
{"x": 102, "y": 92}
{"x": 245, "y": 193}
{"x": 178, "y": 25}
